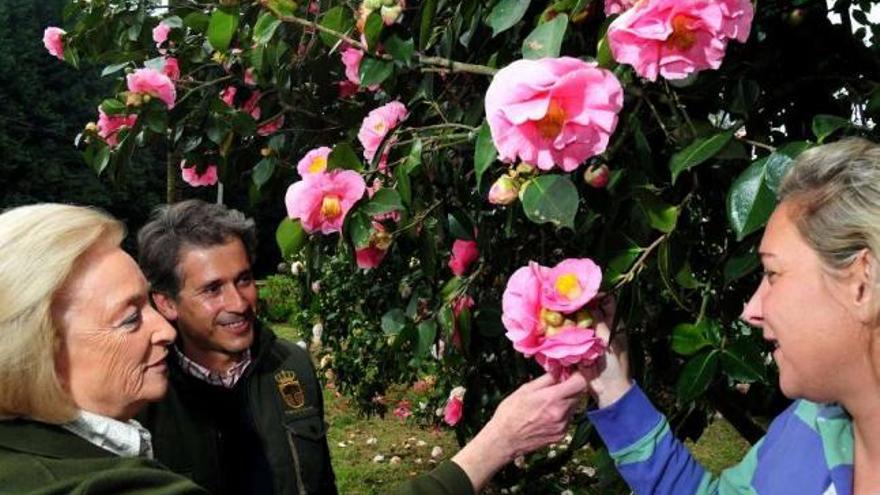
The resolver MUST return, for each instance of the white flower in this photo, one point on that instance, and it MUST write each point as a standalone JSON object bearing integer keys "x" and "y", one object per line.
{"x": 395, "y": 460}
{"x": 436, "y": 452}
{"x": 372, "y": 441}
{"x": 317, "y": 331}
{"x": 302, "y": 343}
{"x": 341, "y": 445}
{"x": 421, "y": 443}
{"x": 520, "y": 462}
{"x": 296, "y": 268}
{"x": 551, "y": 454}
{"x": 379, "y": 458}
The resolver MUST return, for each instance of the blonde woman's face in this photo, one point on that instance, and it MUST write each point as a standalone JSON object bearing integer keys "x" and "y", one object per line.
{"x": 113, "y": 343}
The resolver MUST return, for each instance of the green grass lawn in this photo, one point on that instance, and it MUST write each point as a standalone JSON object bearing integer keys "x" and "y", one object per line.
{"x": 405, "y": 449}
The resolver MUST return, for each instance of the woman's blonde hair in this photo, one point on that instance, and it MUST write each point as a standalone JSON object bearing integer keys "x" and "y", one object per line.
{"x": 39, "y": 247}
{"x": 836, "y": 188}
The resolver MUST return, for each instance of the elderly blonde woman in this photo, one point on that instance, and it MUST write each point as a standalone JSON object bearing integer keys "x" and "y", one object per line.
{"x": 82, "y": 351}
{"x": 818, "y": 304}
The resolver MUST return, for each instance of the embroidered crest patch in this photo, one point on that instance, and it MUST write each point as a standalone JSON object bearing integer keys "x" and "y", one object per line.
{"x": 290, "y": 389}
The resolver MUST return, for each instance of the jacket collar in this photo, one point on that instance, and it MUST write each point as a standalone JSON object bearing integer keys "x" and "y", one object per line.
{"x": 47, "y": 440}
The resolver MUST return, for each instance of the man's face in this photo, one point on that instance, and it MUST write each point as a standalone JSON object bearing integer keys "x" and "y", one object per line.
{"x": 216, "y": 305}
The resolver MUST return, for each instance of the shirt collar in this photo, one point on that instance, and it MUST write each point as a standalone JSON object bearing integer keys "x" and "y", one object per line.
{"x": 125, "y": 439}
{"x": 227, "y": 379}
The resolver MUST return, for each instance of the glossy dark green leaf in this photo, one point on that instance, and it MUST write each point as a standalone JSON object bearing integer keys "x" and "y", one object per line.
{"x": 698, "y": 152}
{"x": 550, "y": 199}
{"x": 114, "y": 68}
{"x": 403, "y": 186}
{"x": 290, "y": 237}
{"x": 428, "y": 14}
{"x": 263, "y": 171}
{"x": 688, "y": 338}
{"x": 344, "y": 157}
{"x": 385, "y": 200}
{"x": 338, "y": 19}
{"x": 427, "y": 336}
{"x": 743, "y": 362}
{"x": 375, "y": 71}
{"x": 221, "y": 28}
{"x": 393, "y": 321}
{"x": 360, "y": 227}
{"x": 414, "y": 157}
{"x": 826, "y": 125}
{"x": 401, "y": 50}
{"x": 505, "y": 14}
{"x": 660, "y": 215}
{"x": 740, "y": 265}
{"x": 697, "y": 375}
{"x": 546, "y": 39}
{"x": 484, "y": 152}
{"x": 112, "y": 106}
{"x": 265, "y": 28}
{"x": 373, "y": 30}
{"x": 197, "y": 21}
{"x": 750, "y": 202}
{"x": 460, "y": 224}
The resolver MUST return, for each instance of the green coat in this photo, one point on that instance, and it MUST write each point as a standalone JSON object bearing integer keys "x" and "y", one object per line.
{"x": 445, "y": 479}
{"x": 39, "y": 458}
{"x": 281, "y": 398}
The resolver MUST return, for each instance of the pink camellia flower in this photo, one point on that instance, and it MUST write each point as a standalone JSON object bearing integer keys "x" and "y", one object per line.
{"x": 570, "y": 285}
{"x": 154, "y": 83}
{"x": 552, "y": 111}
{"x": 378, "y": 124}
{"x": 271, "y": 127}
{"x": 314, "y": 162}
{"x": 160, "y": 33}
{"x": 351, "y": 59}
{"x": 394, "y": 216}
{"x": 252, "y": 105}
{"x": 347, "y": 88}
{"x": 677, "y": 38}
{"x": 463, "y": 254}
{"x": 172, "y": 68}
{"x": 249, "y": 77}
{"x": 403, "y": 409}
{"x": 52, "y": 40}
{"x": 557, "y": 340}
{"x": 454, "y": 406}
{"x": 192, "y": 176}
{"x": 321, "y": 201}
{"x": 110, "y": 125}
{"x": 617, "y": 6}
{"x": 371, "y": 255}
{"x": 504, "y": 191}
{"x": 228, "y": 95}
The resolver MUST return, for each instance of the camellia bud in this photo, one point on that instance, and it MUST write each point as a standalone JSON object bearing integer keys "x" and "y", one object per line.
{"x": 266, "y": 152}
{"x": 552, "y": 331}
{"x": 504, "y": 191}
{"x": 551, "y": 318}
{"x": 597, "y": 176}
{"x": 372, "y": 4}
{"x": 584, "y": 318}
{"x": 296, "y": 268}
{"x": 147, "y": 97}
{"x": 92, "y": 127}
{"x": 525, "y": 168}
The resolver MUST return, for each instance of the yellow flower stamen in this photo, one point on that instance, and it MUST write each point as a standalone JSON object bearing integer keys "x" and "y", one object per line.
{"x": 331, "y": 207}
{"x": 551, "y": 125}
{"x": 567, "y": 285}
{"x": 682, "y": 37}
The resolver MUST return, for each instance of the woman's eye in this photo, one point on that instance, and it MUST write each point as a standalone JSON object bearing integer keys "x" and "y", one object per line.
{"x": 769, "y": 274}
{"x": 132, "y": 320}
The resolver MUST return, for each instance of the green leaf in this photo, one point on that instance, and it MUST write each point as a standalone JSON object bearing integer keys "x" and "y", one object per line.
{"x": 546, "y": 39}
{"x": 464, "y": 328}
{"x": 197, "y": 21}
{"x": 401, "y": 50}
{"x": 374, "y": 71}
{"x": 660, "y": 215}
{"x": 550, "y": 199}
{"x": 265, "y": 28}
{"x": 460, "y": 224}
{"x": 450, "y": 288}
{"x": 429, "y": 11}
{"x": 604, "y": 57}
{"x": 385, "y": 200}
{"x": 698, "y": 152}
{"x": 337, "y": 19}
{"x": 414, "y": 157}
{"x": 393, "y": 321}
{"x": 263, "y": 171}
{"x": 100, "y": 158}
{"x": 284, "y": 7}
{"x": 826, "y": 125}
{"x": 740, "y": 265}
{"x": 173, "y": 21}
{"x": 743, "y": 362}
{"x": 505, "y": 14}
{"x": 404, "y": 188}
{"x": 290, "y": 237}
{"x": 697, "y": 375}
{"x": 221, "y": 28}
{"x": 373, "y": 30}
{"x": 344, "y": 157}
{"x": 361, "y": 229}
{"x": 689, "y": 338}
{"x": 113, "y": 107}
{"x": 157, "y": 121}
{"x": 620, "y": 263}
{"x": 112, "y": 69}
{"x": 484, "y": 152}
{"x": 780, "y": 161}
{"x": 427, "y": 336}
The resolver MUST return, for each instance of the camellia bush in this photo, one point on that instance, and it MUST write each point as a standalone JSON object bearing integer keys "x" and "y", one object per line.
{"x": 464, "y": 180}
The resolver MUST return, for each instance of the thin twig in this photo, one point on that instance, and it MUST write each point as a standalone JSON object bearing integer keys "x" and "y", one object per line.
{"x": 639, "y": 264}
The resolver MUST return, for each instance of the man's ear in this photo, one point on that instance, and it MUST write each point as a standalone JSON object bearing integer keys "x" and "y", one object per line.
{"x": 165, "y": 304}
{"x": 864, "y": 279}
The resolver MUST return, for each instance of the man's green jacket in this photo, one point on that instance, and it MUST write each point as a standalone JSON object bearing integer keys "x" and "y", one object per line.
{"x": 42, "y": 459}
{"x": 265, "y": 435}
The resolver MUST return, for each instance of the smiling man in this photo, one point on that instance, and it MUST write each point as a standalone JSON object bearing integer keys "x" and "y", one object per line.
{"x": 244, "y": 412}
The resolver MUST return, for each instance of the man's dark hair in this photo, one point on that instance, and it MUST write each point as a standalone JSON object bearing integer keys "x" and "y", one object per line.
{"x": 190, "y": 223}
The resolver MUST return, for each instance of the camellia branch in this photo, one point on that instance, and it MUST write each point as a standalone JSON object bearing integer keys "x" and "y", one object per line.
{"x": 640, "y": 263}
{"x": 445, "y": 63}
